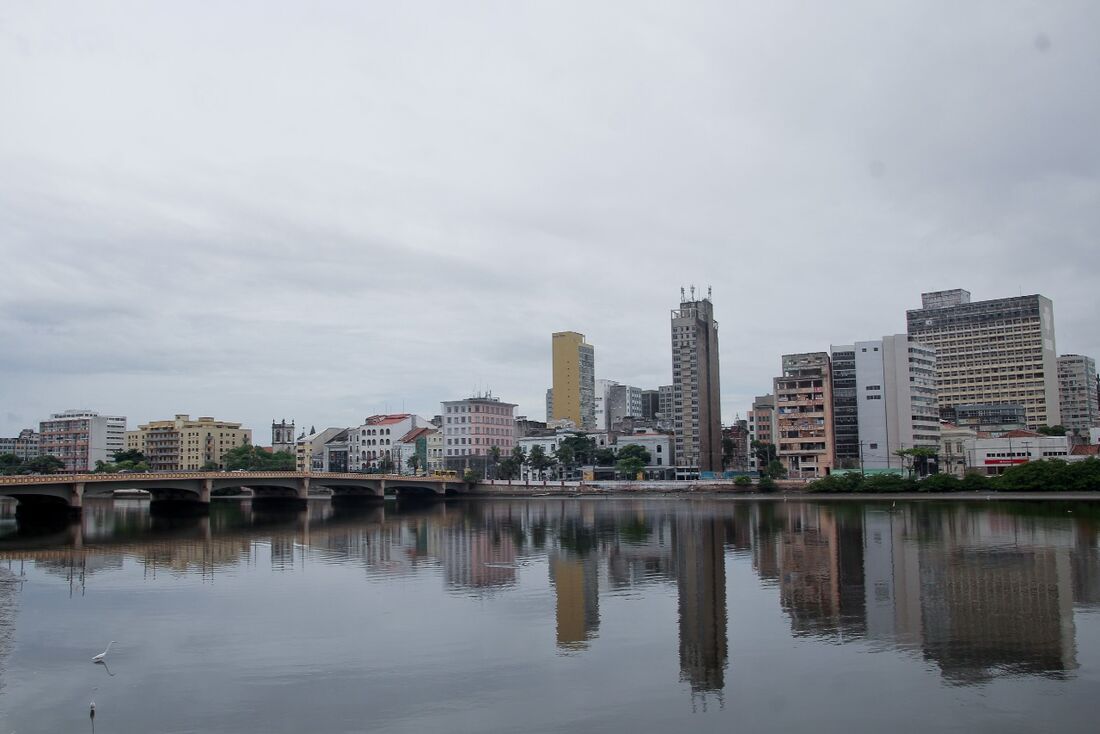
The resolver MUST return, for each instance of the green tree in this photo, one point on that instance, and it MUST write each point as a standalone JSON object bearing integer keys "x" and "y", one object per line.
{"x": 1058, "y": 430}
{"x": 45, "y": 464}
{"x": 494, "y": 459}
{"x": 632, "y": 459}
{"x": 386, "y": 465}
{"x": 10, "y": 464}
{"x": 583, "y": 448}
{"x": 413, "y": 462}
{"x": 251, "y": 458}
{"x": 566, "y": 456}
{"x": 210, "y": 466}
{"x": 775, "y": 469}
{"x": 764, "y": 452}
{"x": 539, "y": 461}
{"x": 604, "y": 457}
{"x": 507, "y": 469}
{"x": 728, "y": 447}
{"x": 129, "y": 455}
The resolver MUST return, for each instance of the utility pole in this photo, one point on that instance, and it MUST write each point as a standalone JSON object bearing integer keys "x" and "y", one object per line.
{"x": 862, "y": 471}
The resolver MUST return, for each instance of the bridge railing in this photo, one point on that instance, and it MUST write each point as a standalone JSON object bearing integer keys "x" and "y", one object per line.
{"x": 24, "y": 479}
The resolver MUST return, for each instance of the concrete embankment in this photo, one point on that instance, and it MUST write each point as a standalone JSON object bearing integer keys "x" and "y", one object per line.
{"x": 787, "y": 490}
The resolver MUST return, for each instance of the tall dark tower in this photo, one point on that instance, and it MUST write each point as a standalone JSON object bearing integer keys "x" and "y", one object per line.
{"x": 282, "y": 436}
{"x": 697, "y": 403}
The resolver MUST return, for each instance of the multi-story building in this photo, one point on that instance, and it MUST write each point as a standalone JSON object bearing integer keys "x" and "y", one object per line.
{"x": 23, "y": 447}
{"x": 804, "y": 415}
{"x": 623, "y": 401}
{"x": 986, "y": 417}
{"x": 435, "y": 450}
{"x": 574, "y": 396}
{"x": 895, "y": 384}
{"x": 998, "y": 352}
{"x": 472, "y": 427}
{"x": 183, "y": 444}
{"x": 413, "y": 443}
{"x": 1077, "y": 392}
{"x": 651, "y": 404}
{"x": 309, "y": 450}
{"x": 601, "y": 395}
{"x": 549, "y": 404}
{"x": 336, "y": 452}
{"x": 762, "y": 428}
{"x": 666, "y": 401}
{"x": 738, "y": 434}
{"x": 697, "y": 409}
{"x": 371, "y": 444}
{"x": 845, "y": 407}
{"x": 80, "y": 438}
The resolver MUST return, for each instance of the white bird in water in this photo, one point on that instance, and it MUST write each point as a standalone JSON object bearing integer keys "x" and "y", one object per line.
{"x": 101, "y": 656}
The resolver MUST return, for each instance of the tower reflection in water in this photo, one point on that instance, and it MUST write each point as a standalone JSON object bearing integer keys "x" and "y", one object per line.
{"x": 979, "y": 591}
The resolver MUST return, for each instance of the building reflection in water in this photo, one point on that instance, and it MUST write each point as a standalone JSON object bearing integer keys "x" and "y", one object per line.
{"x": 978, "y": 591}
{"x": 700, "y": 570}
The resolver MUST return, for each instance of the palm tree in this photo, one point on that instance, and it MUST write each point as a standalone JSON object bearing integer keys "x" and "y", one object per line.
{"x": 494, "y": 459}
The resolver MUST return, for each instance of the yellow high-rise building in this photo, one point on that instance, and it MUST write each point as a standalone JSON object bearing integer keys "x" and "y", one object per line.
{"x": 574, "y": 391}
{"x": 183, "y": 444}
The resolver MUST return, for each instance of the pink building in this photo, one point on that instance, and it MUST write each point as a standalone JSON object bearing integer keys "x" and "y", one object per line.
{"x": 472, "y": 427}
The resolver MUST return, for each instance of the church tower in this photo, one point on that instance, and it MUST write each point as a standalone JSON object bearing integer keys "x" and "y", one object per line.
{"x": 282, "y": 436}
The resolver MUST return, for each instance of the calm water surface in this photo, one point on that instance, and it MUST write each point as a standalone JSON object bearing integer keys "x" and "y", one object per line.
{"x": 579, "y": 615}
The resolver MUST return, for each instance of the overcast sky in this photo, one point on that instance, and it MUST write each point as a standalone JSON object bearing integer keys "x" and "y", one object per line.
{"x": 325, "y": 210}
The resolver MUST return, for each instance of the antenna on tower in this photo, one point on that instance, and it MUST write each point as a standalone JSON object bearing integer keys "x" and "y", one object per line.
{"x": 708, "y": 292}
{"x": 682, "y": 296}
{"x": 693, "y": 293}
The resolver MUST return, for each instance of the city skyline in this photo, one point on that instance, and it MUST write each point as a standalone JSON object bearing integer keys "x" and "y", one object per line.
{"x": 532, "y": 409}
{"x": 190, "y": 228}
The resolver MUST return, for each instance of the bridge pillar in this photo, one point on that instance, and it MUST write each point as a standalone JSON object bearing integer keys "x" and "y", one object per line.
{"x": 207, "y": 488}
{"x": 303, "y": 488}
{"x": 76, "y": 499}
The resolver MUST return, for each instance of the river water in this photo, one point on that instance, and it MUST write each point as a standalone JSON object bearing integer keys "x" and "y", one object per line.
{"x": 556, "y": 615}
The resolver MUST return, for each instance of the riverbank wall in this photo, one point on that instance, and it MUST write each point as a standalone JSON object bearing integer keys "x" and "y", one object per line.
{"x": 785, "y": 490}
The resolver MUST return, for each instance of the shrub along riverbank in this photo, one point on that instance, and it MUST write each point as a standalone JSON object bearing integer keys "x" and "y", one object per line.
{"x": 1035, "y": 476}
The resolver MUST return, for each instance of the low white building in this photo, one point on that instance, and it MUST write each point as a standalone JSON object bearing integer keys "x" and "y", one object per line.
{"x": 659, "y": 446}
{"x": 993, "y": 455}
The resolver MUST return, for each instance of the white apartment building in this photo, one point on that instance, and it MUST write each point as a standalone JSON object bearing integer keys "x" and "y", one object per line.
{"x": 603, "y": 396}
{"x": 372, "y": 442}
{"x": 895, "y": 400}
{"x": 79, "y": 438}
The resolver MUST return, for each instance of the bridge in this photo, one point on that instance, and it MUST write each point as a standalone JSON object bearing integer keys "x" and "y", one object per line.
{"x": 48, "y": 492}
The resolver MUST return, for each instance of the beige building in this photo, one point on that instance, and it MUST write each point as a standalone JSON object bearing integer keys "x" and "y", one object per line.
{"x": 998, "y": 352}
{"x": 804, "y": 415}
{"x": 435, "y": 451}
{"x": 183, "y": 444}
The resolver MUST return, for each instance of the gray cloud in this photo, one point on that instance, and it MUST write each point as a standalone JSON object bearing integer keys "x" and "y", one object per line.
{"x": 325, "y": 212}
